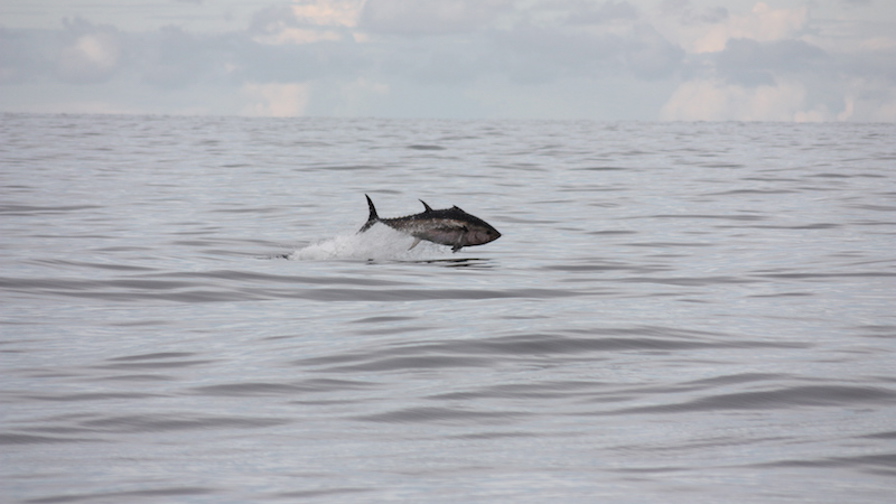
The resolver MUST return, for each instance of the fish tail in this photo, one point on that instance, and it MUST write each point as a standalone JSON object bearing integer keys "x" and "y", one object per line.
{"x": 373, "y": 219}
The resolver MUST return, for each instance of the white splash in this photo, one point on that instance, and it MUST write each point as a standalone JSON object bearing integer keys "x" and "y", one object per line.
{"x": 377, "y": 243}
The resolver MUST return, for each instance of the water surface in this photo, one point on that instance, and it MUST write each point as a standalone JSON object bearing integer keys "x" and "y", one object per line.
{"x": 675, "y": 312}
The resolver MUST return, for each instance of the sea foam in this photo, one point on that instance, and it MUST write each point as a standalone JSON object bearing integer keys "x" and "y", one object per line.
{"x": 377, "y": 243}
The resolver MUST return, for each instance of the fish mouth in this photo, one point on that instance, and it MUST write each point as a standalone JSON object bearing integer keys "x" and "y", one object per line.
{"x": 482, "y": 237}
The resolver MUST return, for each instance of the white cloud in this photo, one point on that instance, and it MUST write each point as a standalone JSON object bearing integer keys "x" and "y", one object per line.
{"x": 709, "y": 30}
{"x": 713, "y": 100}
{"x": 879, "y": 44}
{"x": 764, "y": 66}
{"x": 603, "y": 59}
{"x": 92, "y": 54}
{"x": 871, "y": 100}
{"x": 97, "y": 49}
{"x": 276, "y": 100}
{"x": 290, "y": 35}
{"x": 429, "y": 17}
{"x": 329, "y": 12}
{"x": 307, "y": 22}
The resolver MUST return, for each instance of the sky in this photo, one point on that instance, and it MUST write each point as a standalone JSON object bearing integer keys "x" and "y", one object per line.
{"x": 605, "y": 60}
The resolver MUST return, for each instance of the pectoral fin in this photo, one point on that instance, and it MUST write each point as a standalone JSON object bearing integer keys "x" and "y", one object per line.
{"x": 416, "y": 241}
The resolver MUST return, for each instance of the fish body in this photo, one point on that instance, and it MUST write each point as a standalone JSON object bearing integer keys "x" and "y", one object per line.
{"x": 449, "y": 226}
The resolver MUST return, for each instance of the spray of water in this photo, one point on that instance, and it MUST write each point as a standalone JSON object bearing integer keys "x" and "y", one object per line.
{"x": 378, "y": 243}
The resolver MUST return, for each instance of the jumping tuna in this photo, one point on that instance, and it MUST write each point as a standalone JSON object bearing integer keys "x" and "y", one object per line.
{"x": 449, "y": 226}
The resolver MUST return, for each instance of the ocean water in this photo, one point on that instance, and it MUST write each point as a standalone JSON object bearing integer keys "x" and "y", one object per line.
{"x": 676, "y": 312}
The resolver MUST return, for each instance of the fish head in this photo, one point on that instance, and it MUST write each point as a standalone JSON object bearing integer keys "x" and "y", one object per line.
{"x": 482, "y": 236}
{"x": 479, "y": 233}
{"x": 475, "y": 231}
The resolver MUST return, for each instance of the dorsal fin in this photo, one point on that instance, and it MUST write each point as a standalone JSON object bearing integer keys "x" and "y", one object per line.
{"x": 427, "y": 207}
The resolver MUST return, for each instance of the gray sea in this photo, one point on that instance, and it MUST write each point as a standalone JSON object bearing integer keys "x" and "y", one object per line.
{"x": 676, "y": 312}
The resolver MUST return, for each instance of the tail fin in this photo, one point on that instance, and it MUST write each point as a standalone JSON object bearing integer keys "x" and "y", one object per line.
{"x": 373, "y": 219}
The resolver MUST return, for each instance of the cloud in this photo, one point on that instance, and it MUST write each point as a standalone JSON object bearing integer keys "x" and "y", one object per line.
{"x": 749, "y": 62}
{"x": 714, "y": 100}
{"x": 173, "y": 58}
{"x": 430, "y": 17}
{"x": 23, "y": 56}
{"x": 90, "y": 53}
{"x": 864, "y": 100}
{"x": 760, "y": 66}
{"x": 710, "y": 30}
{"x": 305, "y": 23}
{"x": 604, "y": 59}
{"x": 299, "y": 36}
{"x": 275, "y": 100}
{"x": 600, "y": 13}
{"x": 607, "y": 40}
{"x": 651, "y": 56}
{"x": 872, "y": 100}
{"x": 329, "y": 13}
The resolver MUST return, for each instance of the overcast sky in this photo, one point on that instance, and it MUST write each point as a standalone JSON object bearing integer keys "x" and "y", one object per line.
{"x": 775, "y": 60}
